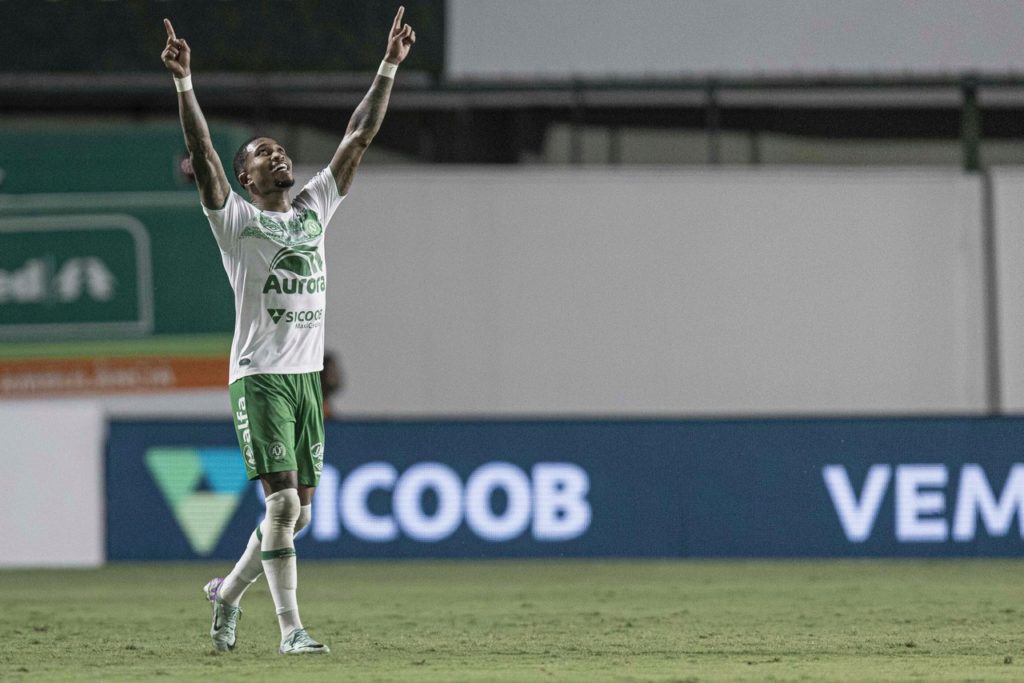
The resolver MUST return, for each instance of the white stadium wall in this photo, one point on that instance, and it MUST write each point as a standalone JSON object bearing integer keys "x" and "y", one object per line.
{"x": 607, "y": 291}
{"x": 1008, "y": 205}
{"x": 672, "y": 292}
{"x": 672, "y": 38}
{"x": 52, "y": 510}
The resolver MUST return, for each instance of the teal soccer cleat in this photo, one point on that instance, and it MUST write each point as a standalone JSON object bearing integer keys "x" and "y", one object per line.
{"x": 299, "y": 642}
{"x": 225, "y": 618}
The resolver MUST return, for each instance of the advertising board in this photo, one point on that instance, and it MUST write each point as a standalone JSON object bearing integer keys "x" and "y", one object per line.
{"x": 928, "y": 487}
{"x": 75, "y": 274}
{"x": 110, "y": 293}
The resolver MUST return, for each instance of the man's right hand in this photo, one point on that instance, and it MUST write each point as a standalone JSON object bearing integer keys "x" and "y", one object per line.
{"x": 177, "y": 56}
{"x": 400, "y": 39}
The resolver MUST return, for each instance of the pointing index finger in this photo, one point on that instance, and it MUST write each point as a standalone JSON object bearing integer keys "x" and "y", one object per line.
{"x": 170, "y": 29}
{"x": 397, "y": 23}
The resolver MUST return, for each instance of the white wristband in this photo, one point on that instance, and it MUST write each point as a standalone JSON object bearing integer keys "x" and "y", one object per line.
{"x": 387, "y": 69}
{"x": 183, "y": 84}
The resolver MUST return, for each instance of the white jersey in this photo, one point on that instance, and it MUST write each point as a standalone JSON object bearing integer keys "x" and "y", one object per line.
{"x": 275, "y": 262}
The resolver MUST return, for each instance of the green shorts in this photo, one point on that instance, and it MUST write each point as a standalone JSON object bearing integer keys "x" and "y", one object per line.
{"x": 279, "y": 420}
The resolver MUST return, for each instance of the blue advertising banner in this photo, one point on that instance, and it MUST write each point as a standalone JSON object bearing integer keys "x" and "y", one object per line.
{"x": 922, "y": 487}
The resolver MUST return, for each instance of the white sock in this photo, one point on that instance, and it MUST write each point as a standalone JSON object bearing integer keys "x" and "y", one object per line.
{"x": 247, "y": 570}
{"x": 278, "y": 553}
{"x": 249, "y": 567}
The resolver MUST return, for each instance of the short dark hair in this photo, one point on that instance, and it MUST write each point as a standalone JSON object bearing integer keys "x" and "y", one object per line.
{"x": 239, "y": 163}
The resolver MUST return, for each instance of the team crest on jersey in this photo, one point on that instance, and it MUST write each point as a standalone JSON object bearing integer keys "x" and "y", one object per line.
{"x": 303, "y": 227}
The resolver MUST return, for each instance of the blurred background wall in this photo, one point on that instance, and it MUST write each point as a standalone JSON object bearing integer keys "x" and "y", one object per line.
{"x": 604, "y": 38}
{"x": 591, "y": 209}
{"x": 665, "y": 292}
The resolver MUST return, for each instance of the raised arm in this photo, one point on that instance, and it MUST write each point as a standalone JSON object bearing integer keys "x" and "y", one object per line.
{"x": 210, "y": 179}
{"x": 368, "y": 116}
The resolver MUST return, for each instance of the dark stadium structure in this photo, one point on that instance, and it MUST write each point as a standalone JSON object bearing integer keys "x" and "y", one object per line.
{"x": 308, "y": 64}
{"x": 440, "y": 121}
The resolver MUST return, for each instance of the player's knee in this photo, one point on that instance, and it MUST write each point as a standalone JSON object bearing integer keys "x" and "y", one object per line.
{"x": 305, "y": 514}
{"x": 283, "y": 510}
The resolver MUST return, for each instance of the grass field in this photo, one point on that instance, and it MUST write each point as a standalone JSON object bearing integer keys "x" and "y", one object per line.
{"x": 533, "y": 621}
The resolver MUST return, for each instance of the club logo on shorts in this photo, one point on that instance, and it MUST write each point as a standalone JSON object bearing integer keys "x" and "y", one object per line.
{"x": 250, "y": 458}
{"x": 317, "y": 452}
{"x": 277, "y": 451}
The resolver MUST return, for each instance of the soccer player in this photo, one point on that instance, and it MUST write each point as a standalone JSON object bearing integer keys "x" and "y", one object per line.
{"x": 273, "y": 251}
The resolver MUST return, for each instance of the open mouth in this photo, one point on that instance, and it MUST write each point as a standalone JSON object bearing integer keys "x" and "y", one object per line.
{"x": 280, "y": 167}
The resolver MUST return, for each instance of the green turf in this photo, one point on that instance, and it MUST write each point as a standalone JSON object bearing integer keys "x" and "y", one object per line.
{"x": 533, "y": 621}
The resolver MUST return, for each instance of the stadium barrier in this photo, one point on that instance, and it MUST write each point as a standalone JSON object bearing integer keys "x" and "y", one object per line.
{"x": 51, "y": 511}
{"x": 923, "y": 487}
{"x": 665, "y": 291}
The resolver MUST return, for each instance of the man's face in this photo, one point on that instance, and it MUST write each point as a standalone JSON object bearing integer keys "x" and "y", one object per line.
{"x": 267, "y": 166}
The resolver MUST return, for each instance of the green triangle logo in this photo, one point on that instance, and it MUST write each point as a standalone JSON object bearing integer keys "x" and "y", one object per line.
{"x": 202, "y": 486}
{"x": 203, "y": 516}
{"x": 275, "y": 314}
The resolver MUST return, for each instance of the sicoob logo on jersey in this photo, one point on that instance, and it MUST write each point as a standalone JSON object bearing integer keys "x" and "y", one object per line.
{"x": 303, "y": 269}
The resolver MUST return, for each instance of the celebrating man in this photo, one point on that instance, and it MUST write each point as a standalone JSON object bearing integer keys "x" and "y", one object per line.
{"x": 272, "y": 247}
